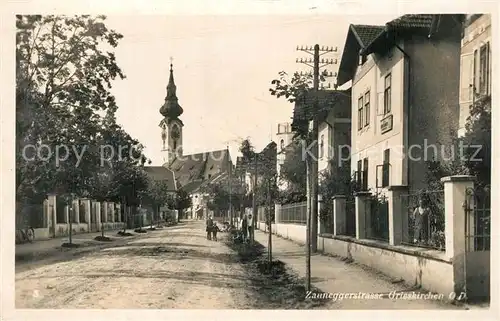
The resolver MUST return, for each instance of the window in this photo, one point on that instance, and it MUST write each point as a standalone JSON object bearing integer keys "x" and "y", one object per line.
{"x": 282, "y": 144}
{"x": 367, "y": 108}
{"x": 360, "y": 113}
{"x": 484, "y": 72}
{"x": 365, "y": 174}
{"x": 385, "y": 168}
{"x": 322, "y": 146}
{"x": 387, "y": 94}
{"x": 209, "y": 176}
{"x": 358, "y": 173}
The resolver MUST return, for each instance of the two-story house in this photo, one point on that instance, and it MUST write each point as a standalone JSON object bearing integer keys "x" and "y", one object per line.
{"x": 334, "y": 131}
{"x": 475, "y": 64}
{"x": 405, "y": 89}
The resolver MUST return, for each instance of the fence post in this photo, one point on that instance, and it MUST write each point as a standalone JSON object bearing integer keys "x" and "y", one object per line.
{"x": 119, "y": 210}
{"x": 398, "y": 216}
{"x": 112, "y": 208}
{"x": 362, "y": 214}
{"x": 339, "y": 215}
{"x": 86, "y": 203}
{"x": 98, "y": 216}
{"x": 76, "y": 211}
{"x": 52, "y": 219}
{"x": 455, "y": 188}
{"x": 277, "y": 213}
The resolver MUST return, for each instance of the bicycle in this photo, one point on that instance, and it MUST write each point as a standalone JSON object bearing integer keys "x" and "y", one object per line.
{"x": 27, "y": 234}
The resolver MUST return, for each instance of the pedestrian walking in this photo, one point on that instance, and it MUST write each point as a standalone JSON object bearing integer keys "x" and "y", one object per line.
{"x": 215, "y": 229}
{"x": 210, "y": 224}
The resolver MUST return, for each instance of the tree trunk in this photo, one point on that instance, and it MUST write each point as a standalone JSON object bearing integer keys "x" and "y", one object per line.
{"x": 71, "y": 223}
{"x": 269, "y": 241}
{"x": 152, "y": 216}
{"x": 125, "y": 221}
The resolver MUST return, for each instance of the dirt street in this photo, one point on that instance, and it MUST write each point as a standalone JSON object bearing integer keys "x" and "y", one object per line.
{"x": 176, "y": 267}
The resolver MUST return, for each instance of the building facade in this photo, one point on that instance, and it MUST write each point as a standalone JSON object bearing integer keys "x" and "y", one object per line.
{"x": 284, "y": 137}
{"x": 475, "y": 64}
{"x": 401, "y": 106}
{"x": 334, "y": 132}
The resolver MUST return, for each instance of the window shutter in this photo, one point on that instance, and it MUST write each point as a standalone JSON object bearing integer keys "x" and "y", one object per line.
{"x": 466, "y": 77}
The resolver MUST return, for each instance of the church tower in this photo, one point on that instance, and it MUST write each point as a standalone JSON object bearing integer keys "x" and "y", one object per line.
{"x": 171, "y": 125}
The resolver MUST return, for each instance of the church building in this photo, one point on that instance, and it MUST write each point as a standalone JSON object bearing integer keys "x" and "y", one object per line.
{"x": 189, "y": 170}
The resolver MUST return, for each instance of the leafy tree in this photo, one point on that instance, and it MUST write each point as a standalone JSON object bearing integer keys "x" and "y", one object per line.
{"x": 182, "y": 201}
{"x": 64, "y": 70}
{"x": 335, "y": 183}
{"x": 247, "y": 150}
{"x": 472, "y": 151}
{"x": 63, "y": 77}
{"x": 262, "y": 167}
{"x": 219, "y": 196}
{"x": 478, "y": 138}
{"x": 157, "y": 194}
{"x": 293, "y": 174}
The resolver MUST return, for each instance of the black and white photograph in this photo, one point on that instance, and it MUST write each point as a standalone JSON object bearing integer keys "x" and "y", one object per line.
{"x": 311, "y": 160}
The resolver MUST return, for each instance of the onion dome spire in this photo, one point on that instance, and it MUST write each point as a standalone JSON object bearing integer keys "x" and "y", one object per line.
{"x": 171, "y": 108}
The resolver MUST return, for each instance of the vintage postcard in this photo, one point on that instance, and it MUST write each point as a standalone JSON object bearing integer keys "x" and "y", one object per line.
{"x": 306, "y": 159}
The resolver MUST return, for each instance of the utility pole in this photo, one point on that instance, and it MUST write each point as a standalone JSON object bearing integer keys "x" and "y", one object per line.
{"x": 269, "y": 223}
{"x": 230, "y": 188}
{"x": 254, "y": 203}
{"x": 312, "y": 160}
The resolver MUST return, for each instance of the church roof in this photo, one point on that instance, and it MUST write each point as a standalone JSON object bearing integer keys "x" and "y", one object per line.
{"x": 171, "y": 108}
{"x": 192, "y": 170}
{"x": 160, "y": 173}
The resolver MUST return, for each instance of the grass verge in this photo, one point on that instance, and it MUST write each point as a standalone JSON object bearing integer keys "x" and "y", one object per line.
{"x": 275, "y": 285}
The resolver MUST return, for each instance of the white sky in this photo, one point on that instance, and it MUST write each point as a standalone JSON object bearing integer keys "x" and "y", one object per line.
{"x": 223, "y": 66}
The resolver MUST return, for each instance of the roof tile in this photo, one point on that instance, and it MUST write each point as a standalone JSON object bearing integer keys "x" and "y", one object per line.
{"x": 367, "y": 33}
{"x": 161, "y": 173}
{"x": 412, "y": 21}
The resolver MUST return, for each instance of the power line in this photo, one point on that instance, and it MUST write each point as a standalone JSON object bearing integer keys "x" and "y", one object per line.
{"x": 312, "y": 162}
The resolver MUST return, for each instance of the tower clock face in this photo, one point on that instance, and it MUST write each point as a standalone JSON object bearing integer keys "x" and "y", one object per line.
{"x": 175, "y": 132}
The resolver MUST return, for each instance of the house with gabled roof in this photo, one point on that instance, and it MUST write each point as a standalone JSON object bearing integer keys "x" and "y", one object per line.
{"x": 405, "y": 89}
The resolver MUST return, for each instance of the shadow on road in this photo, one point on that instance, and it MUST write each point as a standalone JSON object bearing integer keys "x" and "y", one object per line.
{"x": 170, "y": 251}
{"x": 186, "y": 277}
